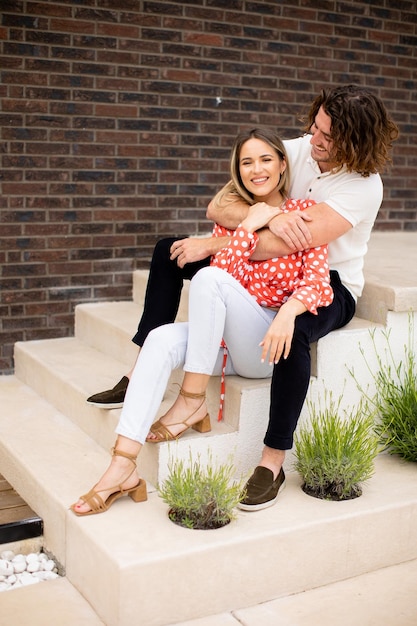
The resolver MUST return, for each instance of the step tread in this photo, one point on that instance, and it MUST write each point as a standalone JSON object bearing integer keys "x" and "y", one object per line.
{"x": 54, "y": 602}
{"x": 124, "y": 314}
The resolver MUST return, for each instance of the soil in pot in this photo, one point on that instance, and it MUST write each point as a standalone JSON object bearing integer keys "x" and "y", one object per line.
{"x": 195, "y": 522}
{"x": 332, "y": 492}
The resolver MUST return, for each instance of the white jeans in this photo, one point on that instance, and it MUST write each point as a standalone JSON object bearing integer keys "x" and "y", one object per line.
{"x": 219, "y": 307}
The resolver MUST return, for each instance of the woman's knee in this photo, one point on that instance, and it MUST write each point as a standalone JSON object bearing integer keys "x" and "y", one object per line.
{"x": 206, "y": 277}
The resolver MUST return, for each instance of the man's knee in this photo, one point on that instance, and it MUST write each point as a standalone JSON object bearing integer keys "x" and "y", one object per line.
{"x": 163, "y": 246}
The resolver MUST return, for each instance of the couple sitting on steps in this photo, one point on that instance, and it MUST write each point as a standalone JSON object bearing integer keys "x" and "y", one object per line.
{"x": 282, "y": 268}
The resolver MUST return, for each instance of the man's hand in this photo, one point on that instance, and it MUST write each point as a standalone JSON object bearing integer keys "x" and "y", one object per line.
{"x": 189, "y": 250}
{"x": 292, "y": 229}
{"x": 196, "y": 248}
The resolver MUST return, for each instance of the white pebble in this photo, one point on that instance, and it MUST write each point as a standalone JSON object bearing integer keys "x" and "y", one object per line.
{"x": 18, "y": 558}
{"x": 33, "y": 566}
{"x": 6, "y": 568}
{"x": 22, "y": 570}
{"x": 19, "y": 566}
{"x": 27, "y": 580}
{"x": 7, "y": 554}
{"x": 46, "y": 575}
{"x": 48, "y": 566}
{"x": 32, "y": 558}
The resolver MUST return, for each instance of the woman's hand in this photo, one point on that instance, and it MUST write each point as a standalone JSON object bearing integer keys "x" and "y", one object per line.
{"x": 277, "y": 341}
{"x": 259, "y": 215}
{"x": 292, "y": 229}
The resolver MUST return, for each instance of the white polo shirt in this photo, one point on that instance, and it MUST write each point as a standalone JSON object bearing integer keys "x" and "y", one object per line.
{"x": 355, "y": 197}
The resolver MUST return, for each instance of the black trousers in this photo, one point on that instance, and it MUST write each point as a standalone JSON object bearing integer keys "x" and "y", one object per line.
{"x": 291, "y": 376}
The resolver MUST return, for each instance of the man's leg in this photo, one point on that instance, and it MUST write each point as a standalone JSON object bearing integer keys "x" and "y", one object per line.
{"x": 289, "y": 386}
{"x": 163, "y": 291}
{"x": 162, "y": 298}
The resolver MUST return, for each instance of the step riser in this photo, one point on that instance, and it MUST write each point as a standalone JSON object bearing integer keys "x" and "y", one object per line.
{"x": 110, "y": 333}
{"x": 310, "y": 555}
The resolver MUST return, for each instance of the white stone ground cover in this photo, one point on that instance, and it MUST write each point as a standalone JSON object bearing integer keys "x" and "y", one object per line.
{"x": 20, "y": 570}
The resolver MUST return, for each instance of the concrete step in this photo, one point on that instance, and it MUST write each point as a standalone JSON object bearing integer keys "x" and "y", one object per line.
{"x": 54, "y": 602}
{"x": 386, "y": 596}
{"x": 65, "y": 371}
{"x": 110, "y": 326}
{"x": 124, "y": 562}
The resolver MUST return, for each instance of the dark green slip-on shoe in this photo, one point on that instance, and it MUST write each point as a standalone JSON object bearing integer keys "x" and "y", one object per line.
{"x": 261, "y": 490}
{"x": 112, "y": 398}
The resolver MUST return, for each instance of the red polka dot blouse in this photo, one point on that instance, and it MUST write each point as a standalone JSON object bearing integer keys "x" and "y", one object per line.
{"x": 302, "y": 275}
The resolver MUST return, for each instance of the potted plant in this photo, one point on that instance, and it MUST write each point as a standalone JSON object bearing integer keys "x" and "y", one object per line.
{"x": 395, "y": 400}
{"x": 336, "y": 452}
{"x": 200, "y": 496}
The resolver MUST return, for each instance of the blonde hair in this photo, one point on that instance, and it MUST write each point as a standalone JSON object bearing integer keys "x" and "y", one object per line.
{"x": 235, "y": 189}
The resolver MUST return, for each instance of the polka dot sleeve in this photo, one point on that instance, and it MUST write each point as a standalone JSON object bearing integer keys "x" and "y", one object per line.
{"x": 301, "y": 275}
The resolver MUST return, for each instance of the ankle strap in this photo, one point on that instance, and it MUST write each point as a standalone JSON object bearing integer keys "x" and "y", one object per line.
{"x": 131, "y": 457}
{"x": 186, "y": 394}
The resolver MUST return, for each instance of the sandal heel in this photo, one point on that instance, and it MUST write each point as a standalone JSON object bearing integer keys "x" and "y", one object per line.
{"x": 96, "y": 503}
{"x": 139, "y": 494}
{"x": 203, "y": 426}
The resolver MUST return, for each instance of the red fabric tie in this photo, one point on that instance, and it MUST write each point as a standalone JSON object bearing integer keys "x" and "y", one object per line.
{"x": 222, "y": 381}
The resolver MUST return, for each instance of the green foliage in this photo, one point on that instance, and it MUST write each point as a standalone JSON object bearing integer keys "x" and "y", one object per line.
{"x": 200, "y": 496}
{"x": 396, "y": 399}
{"x": 334, "y": 454}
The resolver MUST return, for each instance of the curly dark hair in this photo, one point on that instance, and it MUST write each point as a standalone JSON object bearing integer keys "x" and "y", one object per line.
{"x": 361, "y": 128}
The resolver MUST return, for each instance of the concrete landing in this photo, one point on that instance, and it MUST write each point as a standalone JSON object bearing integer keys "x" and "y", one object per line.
{"x": 386, "y": 597}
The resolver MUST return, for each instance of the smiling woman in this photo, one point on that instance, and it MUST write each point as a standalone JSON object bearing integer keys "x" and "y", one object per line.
{"x": 260, "y": 170}
{"x": 248, "y": 305}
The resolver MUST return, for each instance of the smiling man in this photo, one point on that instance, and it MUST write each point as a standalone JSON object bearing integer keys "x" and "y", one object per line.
{"x": 337, "y": 163}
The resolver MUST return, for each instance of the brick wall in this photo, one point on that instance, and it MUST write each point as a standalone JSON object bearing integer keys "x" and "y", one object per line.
{"x": 117, "y": 119}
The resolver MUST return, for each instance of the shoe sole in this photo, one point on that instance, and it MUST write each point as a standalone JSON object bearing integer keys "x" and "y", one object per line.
{"x": 262, "y": 505}
{"x": 112, "y": 405}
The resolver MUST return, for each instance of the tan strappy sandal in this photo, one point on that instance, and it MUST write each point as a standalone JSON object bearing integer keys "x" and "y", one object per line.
{"x": 96, "y": 502}
{"x": 162, "y": 432}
